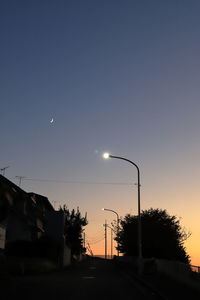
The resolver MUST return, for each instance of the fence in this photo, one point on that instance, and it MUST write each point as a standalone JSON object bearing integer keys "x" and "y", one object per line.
{"x": 195, "y": 268}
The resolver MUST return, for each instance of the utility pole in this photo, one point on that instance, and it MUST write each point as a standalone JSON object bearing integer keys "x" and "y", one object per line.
{"x": 105, "y": 239}
{"x": 84, "y": 239}
{"x": 20, "y": 179}
{"x": 117, "y": 225}
{"x": 111, "y": 235}
{"x": 3, "y": 170}
{"x": 111, "y": 232}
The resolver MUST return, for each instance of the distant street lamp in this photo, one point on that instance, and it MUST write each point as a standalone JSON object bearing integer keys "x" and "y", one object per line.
{"x": 106, "y": 156}
{"x": 117, "y": 225}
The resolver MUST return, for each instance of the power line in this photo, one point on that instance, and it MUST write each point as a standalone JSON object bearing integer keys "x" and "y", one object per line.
{"x": 95, "y": 238}
{"x": 98, "y": 241}
{"x": 94, "y": 241}
{"x": 96, "y": 235}
{"x": 76, "y": 181}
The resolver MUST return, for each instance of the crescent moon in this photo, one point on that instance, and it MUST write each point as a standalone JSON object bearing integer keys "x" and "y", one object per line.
{"x": 52, "y": 120}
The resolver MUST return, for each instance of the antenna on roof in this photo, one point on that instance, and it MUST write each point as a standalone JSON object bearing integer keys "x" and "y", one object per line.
{"x": 20, "y": 179}
{"x": 3, "y": 170}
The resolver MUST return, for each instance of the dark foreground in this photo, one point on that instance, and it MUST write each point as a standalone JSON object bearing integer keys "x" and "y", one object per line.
{"x": 90, "y": 279}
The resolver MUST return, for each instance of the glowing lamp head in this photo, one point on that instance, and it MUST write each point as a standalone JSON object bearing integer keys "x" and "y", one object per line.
{"x": 106, "y": 155}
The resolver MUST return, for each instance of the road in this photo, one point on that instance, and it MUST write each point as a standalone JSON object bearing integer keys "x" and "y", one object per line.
{"x": 90, "y": 279}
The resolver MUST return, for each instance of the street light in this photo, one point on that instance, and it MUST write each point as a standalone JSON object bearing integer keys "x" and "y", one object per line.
{"x": 106, "y": 155}
{"x": 117, "y": 225}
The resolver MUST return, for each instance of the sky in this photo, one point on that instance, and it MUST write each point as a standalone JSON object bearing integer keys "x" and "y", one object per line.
{"x": 116, "y": 76}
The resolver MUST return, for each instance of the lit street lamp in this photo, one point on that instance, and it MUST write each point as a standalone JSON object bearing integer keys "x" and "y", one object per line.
{"x": 106, "y": 156}
{"x": 117, "y": 225}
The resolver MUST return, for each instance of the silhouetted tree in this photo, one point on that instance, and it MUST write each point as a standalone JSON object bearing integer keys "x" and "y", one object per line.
{"x": 74, "y": 224}
{"x": 162, "y": 236}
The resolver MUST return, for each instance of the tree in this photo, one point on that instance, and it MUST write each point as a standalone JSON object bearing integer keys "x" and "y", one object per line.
{"x": 162, "y": 236}
{"x": 73, "y": 230}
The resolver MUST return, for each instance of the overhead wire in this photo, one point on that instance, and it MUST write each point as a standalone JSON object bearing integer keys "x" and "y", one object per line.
{"x": 98, "y": 241}
{"x": 74, "y": 181}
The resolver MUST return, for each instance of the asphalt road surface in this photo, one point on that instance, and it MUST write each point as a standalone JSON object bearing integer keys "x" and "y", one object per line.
{"x": 91, "y": 279}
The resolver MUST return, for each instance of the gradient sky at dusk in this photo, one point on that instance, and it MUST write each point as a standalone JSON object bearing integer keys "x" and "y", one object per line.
{"x": 117, "y": 76}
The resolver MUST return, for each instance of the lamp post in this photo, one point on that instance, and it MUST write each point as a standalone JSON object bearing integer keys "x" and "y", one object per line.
{"x": 117, "y": 225}
{"x": 106, "y": 156}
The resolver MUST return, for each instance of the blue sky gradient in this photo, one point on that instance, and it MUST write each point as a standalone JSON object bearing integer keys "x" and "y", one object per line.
{"x": 118, "y": 76}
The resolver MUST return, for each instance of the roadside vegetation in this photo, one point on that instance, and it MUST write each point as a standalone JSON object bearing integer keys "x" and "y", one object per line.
{"x": 73, "y": 230}
{"x": 162, "y": 236}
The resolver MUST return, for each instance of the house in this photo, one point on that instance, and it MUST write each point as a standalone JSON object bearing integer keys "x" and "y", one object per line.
{"x": 21, "y": 214}
{"x": 29, "y": 218}
{"x": 55, "y": 231}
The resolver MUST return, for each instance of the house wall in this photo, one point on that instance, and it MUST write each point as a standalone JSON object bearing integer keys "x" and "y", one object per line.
{"x": 40, "y": 226}
{"x": 17, "y": 229}
{"x": 55, "y": 230}
{"x": 2, "y": 236}
{"x": 66, "y": 256}
{"x": 54, "y": 227}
